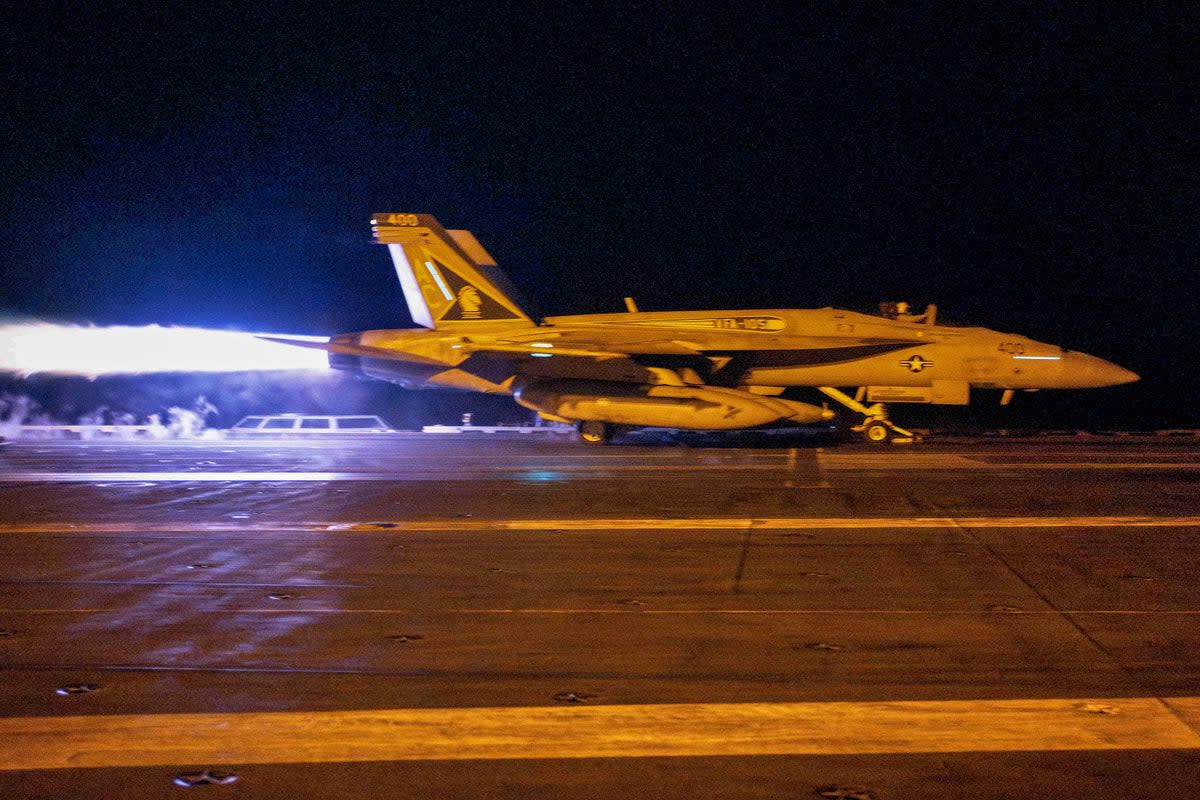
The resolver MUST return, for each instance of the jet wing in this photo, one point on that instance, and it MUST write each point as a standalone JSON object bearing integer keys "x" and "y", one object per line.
{"x": 605, "y": 347}
{"x": 634, "y": 360}
{"x": 624, "y": 356}
{"x": 636, "y": 343}
{"x": 533, "y": 349}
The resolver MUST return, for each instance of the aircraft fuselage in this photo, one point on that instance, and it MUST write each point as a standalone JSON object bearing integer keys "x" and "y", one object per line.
{"x": 761, "y": 348}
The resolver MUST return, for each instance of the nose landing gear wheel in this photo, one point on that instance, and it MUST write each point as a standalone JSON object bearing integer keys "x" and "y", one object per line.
{"x": 594, "y": 433}
{"x": 876, "y": 433}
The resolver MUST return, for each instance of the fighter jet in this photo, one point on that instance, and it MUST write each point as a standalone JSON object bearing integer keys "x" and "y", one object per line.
{"x": 697, "y": 370}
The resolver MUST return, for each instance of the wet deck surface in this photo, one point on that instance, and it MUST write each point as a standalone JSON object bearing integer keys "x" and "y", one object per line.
{"x": 424, "y": 616}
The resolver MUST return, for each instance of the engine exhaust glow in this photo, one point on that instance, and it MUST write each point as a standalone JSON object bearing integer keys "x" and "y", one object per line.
{"x": 29, "y": 348}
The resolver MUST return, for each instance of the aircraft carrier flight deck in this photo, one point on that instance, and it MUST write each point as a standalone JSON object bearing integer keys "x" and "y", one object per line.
{"x": 515, "y": 616}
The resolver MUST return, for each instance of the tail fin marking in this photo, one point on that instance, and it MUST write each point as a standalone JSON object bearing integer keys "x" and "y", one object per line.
{"x": 447, "y": 276}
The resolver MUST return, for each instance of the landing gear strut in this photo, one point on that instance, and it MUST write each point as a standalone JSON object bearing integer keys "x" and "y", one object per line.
{"x": 876, "y": 427}
{"x": 594, "y": 433}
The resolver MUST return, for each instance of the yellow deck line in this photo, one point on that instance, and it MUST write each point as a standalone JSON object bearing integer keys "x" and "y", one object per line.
{"x": 710, "y": 729}
{"x": 852, "y": 466}
{"x": 601, "y": 523}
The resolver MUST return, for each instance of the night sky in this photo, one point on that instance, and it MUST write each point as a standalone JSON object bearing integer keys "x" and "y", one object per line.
{"x": 215, "y": 164}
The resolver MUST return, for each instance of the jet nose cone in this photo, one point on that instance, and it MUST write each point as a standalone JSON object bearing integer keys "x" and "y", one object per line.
{"x": 1124, "y": 375}
{"x": 1091, "y": 372}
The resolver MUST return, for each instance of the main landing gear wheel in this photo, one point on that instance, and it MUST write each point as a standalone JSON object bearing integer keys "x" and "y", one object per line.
{"x": 592, "y": 432}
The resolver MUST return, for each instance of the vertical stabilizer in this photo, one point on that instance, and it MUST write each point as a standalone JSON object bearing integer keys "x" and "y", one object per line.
{"x": 449, "y": 279}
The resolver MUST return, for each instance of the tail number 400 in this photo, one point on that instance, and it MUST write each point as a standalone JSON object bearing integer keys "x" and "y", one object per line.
{"x": 408, "y": 220}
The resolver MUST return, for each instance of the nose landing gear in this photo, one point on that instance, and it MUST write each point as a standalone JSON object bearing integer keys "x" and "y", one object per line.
{"x": 880, "y": 429}
{"x": 876, "y": 428}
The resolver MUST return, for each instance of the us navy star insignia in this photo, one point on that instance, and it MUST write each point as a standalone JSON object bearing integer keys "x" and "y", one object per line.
{"x": 916, "y": 363}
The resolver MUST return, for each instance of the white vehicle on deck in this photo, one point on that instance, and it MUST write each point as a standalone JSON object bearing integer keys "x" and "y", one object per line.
{"x": 309, "y": 424}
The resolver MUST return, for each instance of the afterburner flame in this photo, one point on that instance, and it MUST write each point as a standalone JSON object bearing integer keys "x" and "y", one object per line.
{"x": 30, "y": 348}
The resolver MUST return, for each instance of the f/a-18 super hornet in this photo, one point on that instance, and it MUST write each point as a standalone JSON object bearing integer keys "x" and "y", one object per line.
{"x": 698, "y": 370}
